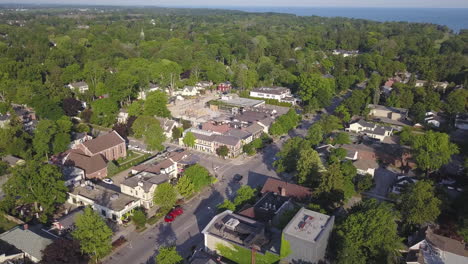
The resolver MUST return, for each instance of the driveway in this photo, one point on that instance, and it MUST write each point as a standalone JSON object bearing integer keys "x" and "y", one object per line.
{"x": 383, "y": 179}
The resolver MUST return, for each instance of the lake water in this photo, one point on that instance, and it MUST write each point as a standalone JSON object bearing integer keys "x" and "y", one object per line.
{"x": 454, "y": 18}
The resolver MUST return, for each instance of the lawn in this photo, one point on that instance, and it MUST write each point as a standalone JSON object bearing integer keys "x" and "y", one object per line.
{"x": 132, "y": 159}
{"x": 6, "y": 224}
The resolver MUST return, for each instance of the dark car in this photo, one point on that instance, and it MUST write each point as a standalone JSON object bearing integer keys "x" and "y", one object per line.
{"x": 171, "y": 216}
{"x": 237, "y": 178}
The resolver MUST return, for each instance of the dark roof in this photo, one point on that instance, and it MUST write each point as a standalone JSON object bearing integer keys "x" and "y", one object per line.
{"x": 365, "y": 124}
{"x": 147, "y": 180}
{"x": 291, "y": 190}
{"x": 238, "y": 133}
{"x": 251, "y": 116}
{"x": 267, "y": 121}
{"x": 155, "y": 167}
{"x": 254, "y": 128}
{"x": 8, "y": 249}
{"x": 226, "y": 140}
{"x": 105, "y": 197}
{"x": 271, "y": 90}
{"x": 68, "y": 220}
{"x": 89, "y": 164}
{"x": 104, "y": 142}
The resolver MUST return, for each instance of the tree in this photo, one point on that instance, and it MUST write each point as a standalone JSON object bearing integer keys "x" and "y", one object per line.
{"x": 176, "y": 133}
{"x": 168, "y": 255}
{"x": 418, "y": 205}
{"x": 332, "y": 179}
{"x": 93, "y": 234}
{"x": 289, "y": 155}
{"x": 457, "y": 101}
{"x": 309, "y": 165}
{"x": 364, "y": 182}
{"x": 316, "y": 86}
{"x": 71, "y": 106}
{"x": 342, "y": 138}
{"x": 156, "y": 104}
{"x": 418, "y": 112}
{"x": 227, "y": 205}
{"x": 368, "y": 234}
{"x": 329, "y": 123}
{"x": 189, "y": 139}
{"x": 222, "y": 151}
{"x": 185, "y": 186}
{"x": 37, "y": 183}
{"x": 244, "y": 194}
{"x": 139, "y": 218}
{"x": 199, "y": 176}
{"x": 165, "y": 196}
{"x": 432, "y": 150}
{"x": 315, "y": 134}
{"x": 43, "y": 136}
{"x": 61, "y": 142}
{"x": 63, "y": 251}
{"x": 150, "y": 130}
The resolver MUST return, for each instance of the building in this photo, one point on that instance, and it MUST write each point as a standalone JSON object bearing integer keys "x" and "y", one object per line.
{"x": 431, "y": 118}
{"x": 80, "y": 87}
{"x": 167, "y": 126}
{"x": 94, "y": 167}
{"x": 389, "y": 115}
{"x": 26, "y": 115}
{"x": 79, "y": 138}
{"x": 420, "y": 83}
{"x": 256, "y": 130}
{"x": 208, "y": 141}
{"x": 144, "y": 93}
{"x": 30, "y": 242}
{"x": 224, "y": 87}
{"x": 308, "y": 233}
{"x": 187, "y": 91}
{"x": 239, "y": 232}
{"x": 167, "y": 167}
{"x": 346, "y": 53}
{"x": 234, "y": 105}
{"x": 203, "y": 85}
{"x": 66, "y": 223}
{"x": 461, "y": 121}
{"x": 122, "y": 117}
{"x": 73, "y": 175}
{"x": 286, "y": 189}
{"x": 364, "y": 158}
{"x": 437, "y": 249}
{"x": 111, "y": 146}
{"x": 143, "y": 185}
{"x": 107, "y": 202}
{"x": 269, "y": 208}
{"x": 10, "y": 254}
{"x": 370, "y": 129}
{"x": 280, "y": 94}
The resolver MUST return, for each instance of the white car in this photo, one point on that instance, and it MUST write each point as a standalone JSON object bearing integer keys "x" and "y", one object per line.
{"x": 108, "y": 181}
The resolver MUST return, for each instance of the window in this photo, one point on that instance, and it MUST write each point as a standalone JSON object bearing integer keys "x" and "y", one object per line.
{"x": 114, "y": 217}
{"x": 103, "y": 212}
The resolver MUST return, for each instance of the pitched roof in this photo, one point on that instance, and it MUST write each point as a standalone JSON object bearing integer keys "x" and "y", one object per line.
{"x": 146, "y": 179}
{"x": 446, "y": 243}
{"x": 154, "y": 168}
{"x": 267, "y": 121}
{"x": 292, "y": 190}
{"x": 208, "y": 126}
{"x": 271, "y": 90}
{"x": 27, "y": 241}
{"x": 89, "y": 164}
{"x": 251, "y": 116}
{"x": 104, "y": 142}
{"x": 238, "y": 133}
{"x": 78, "y": 84}
{"x": 226, "y": 140}
{"x": 254, "y": 128}
{"x": 365, "y": 164}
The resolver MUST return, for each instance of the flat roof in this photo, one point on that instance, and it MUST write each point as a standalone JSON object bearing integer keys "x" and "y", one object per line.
{"x": 104, "y": 197}
{"x": 244, "y": 102}
{"x": 307, "y": 225}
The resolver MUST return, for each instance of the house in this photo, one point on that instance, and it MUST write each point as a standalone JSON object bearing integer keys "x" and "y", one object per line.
{"x": 203, "y": 85}
{"x": 94, "y": 167}
{"x": 10, "y": 254}
{"x": 268, "y": 208}
{"x": 370, "y": 129}
{"x": 275, "y": 93}
{"x": 364, "y": 158}
{"x": 461, "y": 121}
{"x": 434, "y": 248}
{"x": 224, "y": 87}
{"x": 286, "y": 189}
{"x": 26, "y": 115}
{"x": 440, "y": 85}
{"x": 187, "y": 91}
{"x": 386, "y": 112}
{"x": 4, "y": 120}
{"x": 420, "y": 83}
{"x": 31, "y": 242}
{"x": 144, "y": 93}
{"x": 143, "y": 185}
{"x": 80, "y": 87}
{"x": 401, "y": 183}
{"x": 111, "y": 146}
{"x": 66, "y": 224}
{"x": 167, "y": 126}
{"x": 219, "y": 129}
{"x": 167, "y": 167}
{"x": 73, "y": 175}
{"x": 345, "y": 53}
{"x": 122, "y": 117}
{"x": 242, "y": 233}
{"x": 308, "y": 233}
{"x": 107, "y": 202}
{"x": 13, "y": 161}
{"x": 79, "y": 138}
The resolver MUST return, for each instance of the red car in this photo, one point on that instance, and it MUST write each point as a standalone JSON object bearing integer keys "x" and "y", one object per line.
{"x": 171, "y": 216}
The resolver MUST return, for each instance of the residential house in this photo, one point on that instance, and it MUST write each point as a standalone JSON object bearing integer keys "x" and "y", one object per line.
{"x": 370, "y": 129}
{"x": 286, "y": 189}
{"x": 187, "y": 91}
{"x": 167, "y": 126}
{"x": 143, "y": 185}
{"x": 144, "y": 93}
{"x": 107, "y": 202}
{"x": 30, "y": 241}
{"x": 166, "y": 166}
{"x": 9, "y": 254}
{"x": 440, "y": 85}
{"x": 431, "y": 118}
{"x": 111, "y": 146}
{"x": 364, "y": 158}
{"x": 345, "y": 53}
{"x": 79, "y": 138}
{"x": 13, "y": 161}
{"x": 435, "y": 248}
{"x": 308, "y": 233}
{"x": 461, "y": 121}
{"x": 389, "y": 115}
{"x": 240, "y": 233}
{"x": 94, "y": 167}
{"x": 280, "y": 94}
{"x": 203, "y": 85}
{"x": 80, "y": 87}
{"x": 401, "y": 183}
{"x": 66, "y": 223}
{"x": 73, "y": 175}
{"x": 182, "y": 158}
{"x": 224, "y": 87}
{"x": 420, "y": 83}
{"x": 122, "y": 117}
{"x": 26, "y": 115}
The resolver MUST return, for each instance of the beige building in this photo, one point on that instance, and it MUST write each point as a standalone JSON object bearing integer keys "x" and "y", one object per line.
{"x": 142, "y": 186}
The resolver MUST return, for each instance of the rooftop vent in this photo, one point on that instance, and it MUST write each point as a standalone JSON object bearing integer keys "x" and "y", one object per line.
{"x": 232, "y": 223}
{"x": 114, "y": 196}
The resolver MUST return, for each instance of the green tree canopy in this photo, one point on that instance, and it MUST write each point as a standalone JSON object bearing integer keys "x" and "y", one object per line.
{"x": 222, "y": 151}
{"x": 199, "y": 176}
{"x": 168, "y": 255}
{"x": 189, "y": 139}
{"x": 165, "y": 196}
{"x": 432, "y": 150}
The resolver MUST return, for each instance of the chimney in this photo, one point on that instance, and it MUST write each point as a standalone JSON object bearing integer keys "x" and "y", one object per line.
{"x": 282, "y": 191}
{"x": 25, "y": 227}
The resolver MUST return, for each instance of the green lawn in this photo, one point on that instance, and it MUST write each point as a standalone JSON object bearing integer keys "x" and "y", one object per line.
{"x": 6, "y": 224}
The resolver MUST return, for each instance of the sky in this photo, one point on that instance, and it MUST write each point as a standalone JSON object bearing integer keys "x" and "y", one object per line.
{"x": 269, "y": 3}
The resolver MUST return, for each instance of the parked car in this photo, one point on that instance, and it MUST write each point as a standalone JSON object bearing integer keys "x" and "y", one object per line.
{"x": 171, "y": 216}
{"x": 108, "y": 181}
{"x": 237, "y": 178}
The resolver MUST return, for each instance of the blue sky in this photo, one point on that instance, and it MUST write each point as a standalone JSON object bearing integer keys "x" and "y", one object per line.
{"x": 290, "y": 3}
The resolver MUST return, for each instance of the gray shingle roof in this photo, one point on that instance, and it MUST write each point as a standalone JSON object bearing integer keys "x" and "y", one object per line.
{"x": 227, "y": 140}
{"x": 238, "y": 133}
{"x": 27, "y": 241}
